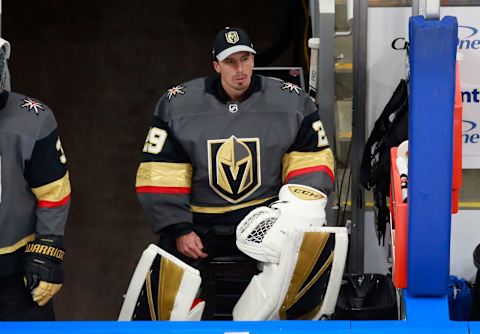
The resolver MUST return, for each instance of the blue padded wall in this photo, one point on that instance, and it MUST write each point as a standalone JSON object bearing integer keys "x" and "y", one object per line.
{"x": 432, "y": 88}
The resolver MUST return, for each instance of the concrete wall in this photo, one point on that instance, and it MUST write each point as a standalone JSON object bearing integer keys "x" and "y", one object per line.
{"x": 101, "y": 66}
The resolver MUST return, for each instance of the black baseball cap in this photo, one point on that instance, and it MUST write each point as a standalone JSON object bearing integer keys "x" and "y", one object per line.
{"x": 231, "y": 40}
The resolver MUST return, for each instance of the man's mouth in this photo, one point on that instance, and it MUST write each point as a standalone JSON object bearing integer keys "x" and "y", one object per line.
{"x": 240, "y": 78}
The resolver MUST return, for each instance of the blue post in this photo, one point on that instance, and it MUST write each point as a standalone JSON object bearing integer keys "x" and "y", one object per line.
{"x": 432, "y": 91}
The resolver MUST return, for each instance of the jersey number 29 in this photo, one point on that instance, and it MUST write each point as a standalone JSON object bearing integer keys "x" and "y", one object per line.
{"x": 322, "y": 136}
{"x": 155, "y": 140}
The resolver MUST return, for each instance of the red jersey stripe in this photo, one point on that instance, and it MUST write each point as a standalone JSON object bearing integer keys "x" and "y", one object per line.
{"x": 50, "y": 204}
{"x": 309, "y": 170}
{"x": 165, "y": 190}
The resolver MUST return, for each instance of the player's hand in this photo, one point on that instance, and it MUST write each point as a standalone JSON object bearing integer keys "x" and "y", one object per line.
{"x": 43, "y": 267}
{"x": 191, "y": 246}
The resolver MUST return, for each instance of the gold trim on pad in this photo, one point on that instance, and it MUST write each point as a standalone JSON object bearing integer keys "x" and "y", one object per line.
{"x": 151, "y": 308}
{"x": 313, "y": 244}
{"x": 170, "y": 277}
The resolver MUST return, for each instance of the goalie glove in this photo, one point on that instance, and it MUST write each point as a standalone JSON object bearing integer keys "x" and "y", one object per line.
{"x": 261, "y": 234}
{"x": 43, "y": 267}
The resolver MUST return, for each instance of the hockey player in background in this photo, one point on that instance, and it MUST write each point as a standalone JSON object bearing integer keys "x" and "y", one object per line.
{"x": 220, "y": 146}
{"x": 34, "y": 203}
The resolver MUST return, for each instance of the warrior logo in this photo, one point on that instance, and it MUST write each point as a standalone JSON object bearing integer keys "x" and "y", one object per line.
{"x": 232, "y": 37}
{"x": 234, "y": 167}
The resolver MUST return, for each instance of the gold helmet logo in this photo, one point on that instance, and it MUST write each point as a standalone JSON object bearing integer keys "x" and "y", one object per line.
{"x": 232, "y": 37}
{"x": 234, "y": 167}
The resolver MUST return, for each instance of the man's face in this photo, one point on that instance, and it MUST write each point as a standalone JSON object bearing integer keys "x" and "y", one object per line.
{"x": 235, "y": 71}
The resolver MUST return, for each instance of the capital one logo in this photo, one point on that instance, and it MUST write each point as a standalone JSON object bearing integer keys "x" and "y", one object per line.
{"x": 470, "y": 134}
{"x": 399, "y": 43}
{"x": 468, "y": 38}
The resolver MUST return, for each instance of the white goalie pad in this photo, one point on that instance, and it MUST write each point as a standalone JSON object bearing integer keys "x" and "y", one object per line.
{"x": 261, "y": 234}
{"x": 306, "y": 281}
{"x": 336, "y": 274}
{"x": 162, "y": 288}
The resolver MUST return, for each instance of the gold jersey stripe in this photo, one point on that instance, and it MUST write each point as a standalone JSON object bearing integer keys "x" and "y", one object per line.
{"x": 223, "y": 209}
{"x": 297, "y": 160}
{"x": 164, "y": 174}
{"x": 54, "y": 191}
{"x": 17, "y": 245}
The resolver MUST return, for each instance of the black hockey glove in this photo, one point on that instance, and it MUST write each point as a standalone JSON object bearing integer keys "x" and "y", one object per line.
{"x": 43, "y": 267}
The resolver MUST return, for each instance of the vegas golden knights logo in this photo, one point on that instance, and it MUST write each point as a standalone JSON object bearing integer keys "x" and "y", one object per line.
{"x": 234, "y": 167}
{"x": 232, "y": 37}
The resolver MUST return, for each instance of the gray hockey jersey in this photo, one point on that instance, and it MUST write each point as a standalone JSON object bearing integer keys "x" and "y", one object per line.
{"x": 34, "y": 181}
{"x": 205, "y": 154}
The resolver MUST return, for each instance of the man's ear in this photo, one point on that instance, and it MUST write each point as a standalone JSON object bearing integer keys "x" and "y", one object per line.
{"x": 216, "y": 66}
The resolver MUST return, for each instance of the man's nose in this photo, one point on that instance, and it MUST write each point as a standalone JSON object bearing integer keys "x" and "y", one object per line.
{"x": 239, "y": 67}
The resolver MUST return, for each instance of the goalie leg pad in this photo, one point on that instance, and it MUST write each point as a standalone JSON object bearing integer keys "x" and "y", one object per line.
{"x": 306, "y": 281}
{"x": 261, "y": 295}
{"x": 336, "y": 275}
{"x": 162, "y": 288}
